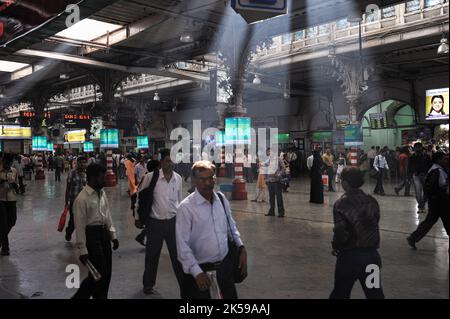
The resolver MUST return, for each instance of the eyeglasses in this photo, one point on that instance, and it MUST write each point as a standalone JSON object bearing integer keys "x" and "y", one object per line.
{"x": 211, "y": 178}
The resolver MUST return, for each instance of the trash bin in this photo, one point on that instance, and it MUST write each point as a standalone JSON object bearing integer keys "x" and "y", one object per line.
{"x": 227, "y": 190}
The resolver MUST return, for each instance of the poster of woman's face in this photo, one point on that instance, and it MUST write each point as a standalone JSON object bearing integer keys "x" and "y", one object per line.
{"x": 436, "y": 106}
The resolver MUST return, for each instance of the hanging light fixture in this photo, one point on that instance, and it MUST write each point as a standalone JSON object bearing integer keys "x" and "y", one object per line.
{"x": 257, "y": 80}
{"x": 443, "y": 48}
{"x": 156, "y": 97}
{"x": 187, "y": 37}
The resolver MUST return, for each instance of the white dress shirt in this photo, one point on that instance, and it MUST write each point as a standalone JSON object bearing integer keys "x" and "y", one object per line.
{"x": 91, "y": 209}
{"x": 202, "y": 232}
{"x": 139, "y": 171}
{"x": 380, "y": 162}
{"x": 310, "y": 161}
{"x": 166, "y": 196}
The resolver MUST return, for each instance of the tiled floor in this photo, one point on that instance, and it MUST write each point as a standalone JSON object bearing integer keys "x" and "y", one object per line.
{"x": 288, "y": 258}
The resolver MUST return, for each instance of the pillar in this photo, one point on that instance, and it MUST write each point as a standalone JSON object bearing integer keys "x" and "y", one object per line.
{"x": 110, "y": 175}
{"x": 222, "y": 168}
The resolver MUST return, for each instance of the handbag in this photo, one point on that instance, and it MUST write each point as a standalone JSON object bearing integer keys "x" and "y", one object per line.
{"x": 62, "y": 219}
{"x": 325, "y": 180}
{"x": 233, "y": 250}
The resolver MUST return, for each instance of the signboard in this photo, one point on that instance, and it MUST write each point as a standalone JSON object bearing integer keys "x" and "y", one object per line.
{"x": 342, "y": 121}
{"x": 109, "y": 138}
{"x": 436, "y": 104}
{"x": 39, "y": 143}
{"x": 283, "y": 138}
{"x": 77, "y": 120}
{"x": 88, "y": 147}
{"x": 27, "y": 118}
{"x": 78, "y": 136}
{"x": 353, "y": 135}
{"x": 142, "y": 142}
{"x": 50, "y": 146}
{"x": 338, "y": 138}
{"x": 378, "y": 120}
{"x": 238, "y": 131}
{"x": 14, "y": 132}
{"x": 19, "y": 17}
{"x": 255, "y": 10}
{"x": 322, "y": 136}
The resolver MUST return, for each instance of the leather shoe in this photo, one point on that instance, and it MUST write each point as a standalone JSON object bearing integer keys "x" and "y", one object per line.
{"x": 269, "y": 214}
{"x": 5, "y": 253}
{"x": 149, "y": 290}
{"x": 411, "y": 243}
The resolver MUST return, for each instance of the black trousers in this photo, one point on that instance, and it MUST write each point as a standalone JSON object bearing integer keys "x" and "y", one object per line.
{"x": 276, "y": 190}
{"x": 158, "y": 231}
{"x": 21, "y": 185}
{"x": 98, "y": 243}
{"x": 58, "y": 174}
{"x": 224, "y": 279}
{"x": 350, "y": 267}
{"x": 405, "y": 181}
{"x": 71, "y": 225}
{"x": 379, "y": 187}
{"x": 248, "y": 174}
{"x": 437, "y": 208}
{"x": 8, "y": 217}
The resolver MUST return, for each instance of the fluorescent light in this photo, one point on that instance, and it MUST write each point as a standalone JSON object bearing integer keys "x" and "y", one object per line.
{"x": 88, "y": 29}
{"x": 8, "y": 66}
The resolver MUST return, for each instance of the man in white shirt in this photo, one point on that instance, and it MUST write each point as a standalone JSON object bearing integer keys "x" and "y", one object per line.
{"x": 160, "y": 224}
{"x": 203, "y": 229}
{"x": 309, "y": 161}
{"x": 247, "y": 163}
{"x": 380, "y": 164}
{"x": 95, "y": 231}
{"x": 371, "y": 154}
{"x": 140, "y": 170}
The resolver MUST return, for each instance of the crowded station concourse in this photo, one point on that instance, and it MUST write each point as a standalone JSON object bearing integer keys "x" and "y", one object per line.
{"x": 224, "y": 149}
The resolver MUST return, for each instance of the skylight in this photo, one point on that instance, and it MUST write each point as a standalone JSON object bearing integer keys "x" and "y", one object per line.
{"x": 88, "y": 29}
{"x": 8, "y": 66}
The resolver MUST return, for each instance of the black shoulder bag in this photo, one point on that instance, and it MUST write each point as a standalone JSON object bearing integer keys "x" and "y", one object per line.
{"x": 146, "y": 199}
{"x": 233, "y": 250}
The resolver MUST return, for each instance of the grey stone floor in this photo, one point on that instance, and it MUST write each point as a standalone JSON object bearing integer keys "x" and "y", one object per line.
{"x": 288, "y": 258}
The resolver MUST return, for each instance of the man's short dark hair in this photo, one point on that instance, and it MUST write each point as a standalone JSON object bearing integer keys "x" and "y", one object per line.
{"x": 81, "y": 158}
{"x": 164, "y": 152}
{"x": 439, "y": 155}
{"x": 152, "y": 165}
{"x": 418, "y": 144}
{"x": 94, "y": 170}
{"x": 353, "y": 176}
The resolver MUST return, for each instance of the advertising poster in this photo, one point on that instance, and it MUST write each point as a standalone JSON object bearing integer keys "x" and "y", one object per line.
{"x": 39, "y": 143}
{"x": 88, "y": 147}
{"x": 109, "y": 138}
{"x": 436, "y": 104}
{"x": 142, "y": 142}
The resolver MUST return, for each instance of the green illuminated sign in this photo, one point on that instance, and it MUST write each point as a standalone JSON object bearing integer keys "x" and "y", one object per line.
{"x": 109, "y": 138}
{"x": 142, "y": 142}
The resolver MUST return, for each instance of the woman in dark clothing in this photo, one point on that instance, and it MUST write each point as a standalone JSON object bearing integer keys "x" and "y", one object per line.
{"x": 316, "y": 195}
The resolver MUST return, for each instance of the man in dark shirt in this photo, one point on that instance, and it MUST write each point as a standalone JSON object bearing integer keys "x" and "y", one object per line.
{"x": 419, "y": 164}
{"x": 436, "y": 189}
{"x": 356, "y": 239}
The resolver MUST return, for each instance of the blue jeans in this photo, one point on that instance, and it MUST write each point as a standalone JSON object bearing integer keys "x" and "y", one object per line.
{"x": 419, "y": 180}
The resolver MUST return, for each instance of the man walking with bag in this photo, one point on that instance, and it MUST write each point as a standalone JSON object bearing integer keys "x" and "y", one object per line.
{"x": 95, "y": 231}
{"x": 207, "y": 237}
{"x": 157, "y": 202}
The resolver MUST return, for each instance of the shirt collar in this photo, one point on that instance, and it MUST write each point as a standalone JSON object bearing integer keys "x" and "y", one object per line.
{"x": 161, "y": 175}
{"x": 90, "y": 190}
{"x": 199, "y": 199}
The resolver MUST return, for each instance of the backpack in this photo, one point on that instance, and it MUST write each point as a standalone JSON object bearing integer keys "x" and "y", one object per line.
{"x": 146, "y": 199}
